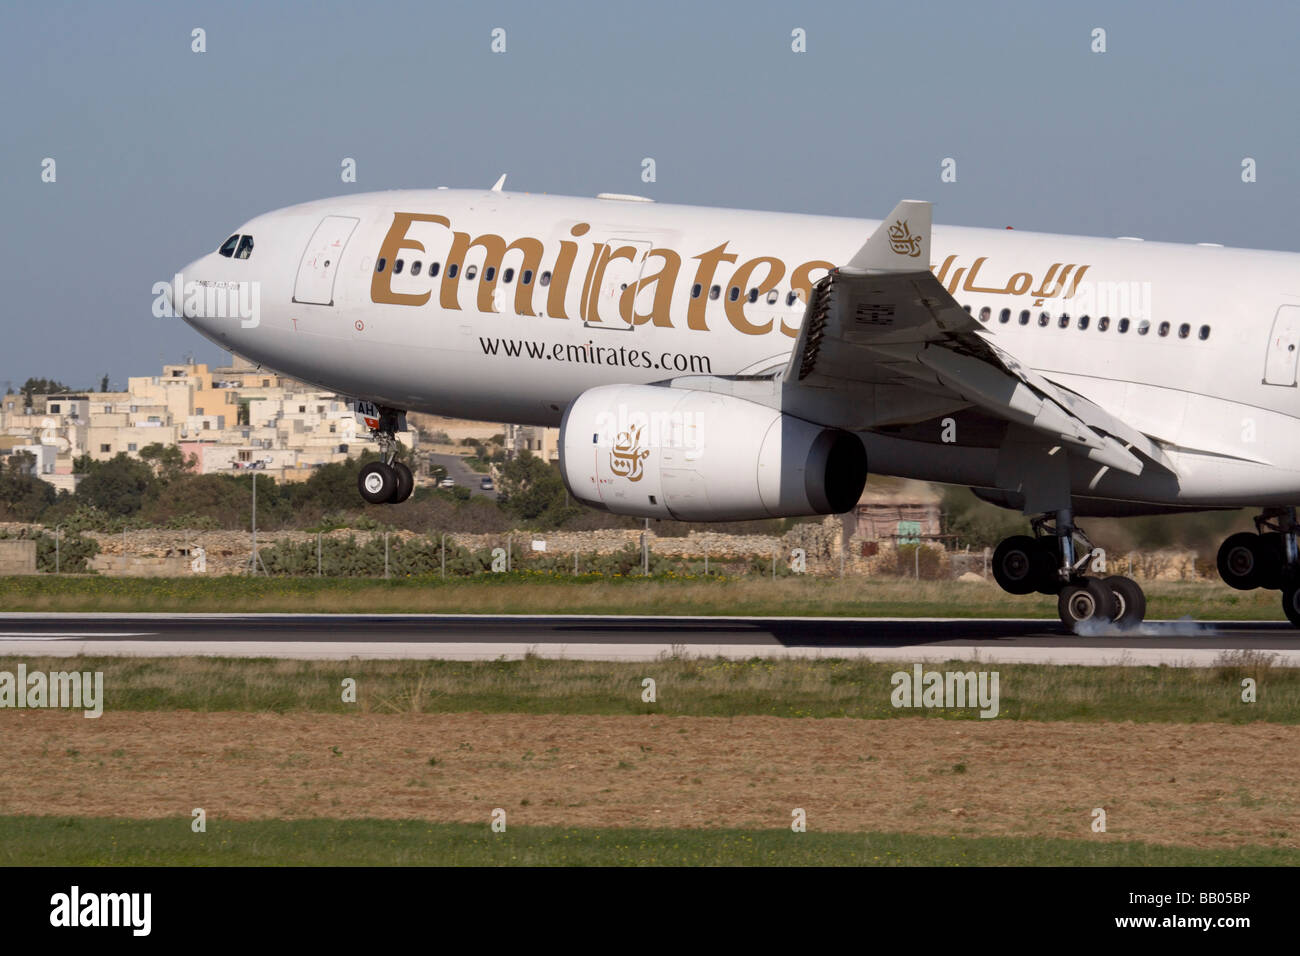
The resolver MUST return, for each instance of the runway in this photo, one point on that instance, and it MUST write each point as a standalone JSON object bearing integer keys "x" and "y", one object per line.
{"x": 596, "y": 637}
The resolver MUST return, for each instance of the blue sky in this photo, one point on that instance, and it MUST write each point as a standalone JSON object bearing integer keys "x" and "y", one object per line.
{"x": 161, "y": 152}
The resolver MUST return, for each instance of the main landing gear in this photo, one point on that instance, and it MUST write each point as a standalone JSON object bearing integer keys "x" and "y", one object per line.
{"x": 1267, "y": 559}
{"x": 387, "y": 481}
{"x": 1048, "y": 562}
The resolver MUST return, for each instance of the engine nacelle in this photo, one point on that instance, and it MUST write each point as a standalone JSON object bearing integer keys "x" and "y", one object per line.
{"x": 658, "y": 452}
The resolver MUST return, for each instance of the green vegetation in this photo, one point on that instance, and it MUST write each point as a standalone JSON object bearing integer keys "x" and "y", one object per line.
{"x": 55, "y": 551}
{"x": 96, "y": 841}
{"x": 624, "y": 591}
{"x": 155, "y": 490}
{"x": 699, "y": 688}
{"x": 533, "y": 491}
{"x": 346, "y": 557}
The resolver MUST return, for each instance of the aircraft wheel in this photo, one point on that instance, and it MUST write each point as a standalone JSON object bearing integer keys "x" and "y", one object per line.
{"x": 1243, "y": 561}
{"x": 1021, "y": 564}
{"x": 405, "y": 483}
{"x": 1085, "y": 600}
{"x": 1291, "y": 603}
{"x": 377, "y": 482}
{"x": 1130, "y": 601}
{"x": 1272, "y": 565}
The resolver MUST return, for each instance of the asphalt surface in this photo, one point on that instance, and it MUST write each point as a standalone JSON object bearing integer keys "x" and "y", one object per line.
{"x": 463, "y": 475}
{"x": 610, "y": 637}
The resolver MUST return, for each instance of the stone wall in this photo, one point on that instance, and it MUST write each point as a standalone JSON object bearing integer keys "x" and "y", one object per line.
{"x": 17, "y": 557}
{"x": 169, "y": 553}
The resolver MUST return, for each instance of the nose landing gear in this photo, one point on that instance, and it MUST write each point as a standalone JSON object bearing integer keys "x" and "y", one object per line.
{"x": 387, "y": 481}
{"x": 1047, "y": 562}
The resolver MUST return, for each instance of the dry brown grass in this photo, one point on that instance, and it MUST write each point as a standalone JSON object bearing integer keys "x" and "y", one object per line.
{"x": 1209, "y": 785}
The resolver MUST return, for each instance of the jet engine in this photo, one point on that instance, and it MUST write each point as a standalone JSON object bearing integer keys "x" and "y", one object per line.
{"x": 659, "y": 452}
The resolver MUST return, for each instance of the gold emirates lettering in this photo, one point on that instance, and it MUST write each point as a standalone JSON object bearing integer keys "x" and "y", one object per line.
{"x": 660, "y": 272}
{"x": 667, "y": 265}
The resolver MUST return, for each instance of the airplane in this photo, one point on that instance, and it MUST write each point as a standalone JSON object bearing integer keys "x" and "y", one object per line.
{"x": 716, "y": 364}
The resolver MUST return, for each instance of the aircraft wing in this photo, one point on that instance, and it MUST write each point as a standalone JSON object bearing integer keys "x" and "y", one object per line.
{"x": 884, "y": 319}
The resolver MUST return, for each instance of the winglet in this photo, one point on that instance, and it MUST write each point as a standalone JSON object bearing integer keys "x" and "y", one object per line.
{"x": 900, "y": 244}
{"x": 500, "y": 182}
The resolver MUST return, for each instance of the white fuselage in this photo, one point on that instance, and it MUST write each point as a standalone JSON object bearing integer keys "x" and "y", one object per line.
{"x": 617, "y": 306}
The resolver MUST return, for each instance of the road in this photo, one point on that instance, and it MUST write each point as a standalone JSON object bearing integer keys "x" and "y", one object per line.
{"x": 464, "y": 475}
{"x": 486, "y": 637}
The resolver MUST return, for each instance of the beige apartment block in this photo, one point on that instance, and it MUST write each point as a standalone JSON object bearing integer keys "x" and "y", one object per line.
{"x": 542, "y": 442}
{"x": 230, "y": 418}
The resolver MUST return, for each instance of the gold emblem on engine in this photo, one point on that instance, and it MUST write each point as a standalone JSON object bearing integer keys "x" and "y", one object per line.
{"x": 902, "y": 241}
{"x": 627, "y": 455}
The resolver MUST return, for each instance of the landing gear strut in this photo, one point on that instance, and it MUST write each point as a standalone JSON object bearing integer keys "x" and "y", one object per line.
{"x": 1268, "y": 559}
{"x": 1049, "y": 562}
{"x": 387, "y": 481}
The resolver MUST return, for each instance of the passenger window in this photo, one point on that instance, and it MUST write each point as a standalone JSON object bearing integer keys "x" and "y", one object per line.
{"x": 1144, "y": 327}
{"x": 985, "y": 314}
{"x": 790, "y": 299}
{"x": 734, "y": 294}
{"x": 228, "y": 247}
{"x": 1064, "y": 321}
{"x": 415, "y": 267}
{"x": 1164, "y": 329}
{"x": 1004, "y": 316}
{"x": 470, "y": 272}
{"x": 508, "y": 275}
{"x": 545, "y": 279}
{"x": 696, "y": 290}
{"x": 1103, "y": 323}
{"x": 1043, "y": 319}
{"x": 753, "y": 295}
{"x": 1122, "y": 327}
{"x": 1024, "y": 316}
{"x": 773, "y": 297}
{"x": 1184, "y": 330}
{"x": 397, "y": 266}
{"x": 488, "y": 273}
{"x": 245, "y": 247}
{"x": 715, "y": 291}
{"x": 452, "y": 269}
{"x": 1083, "y": 322}
{"x": 433, "y": 269}
{"x": 1204, "y": 333}
{"x": 527, "y": 277}
{"x": 379, "y": 266}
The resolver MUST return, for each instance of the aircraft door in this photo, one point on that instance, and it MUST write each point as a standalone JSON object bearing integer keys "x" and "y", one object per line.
{"x": 1283, "y": 347}
{"x": 320, "y": 261}
{"x": 620, "y": 293}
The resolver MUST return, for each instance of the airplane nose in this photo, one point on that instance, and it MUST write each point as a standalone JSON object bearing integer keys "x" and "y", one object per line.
{"x": 182, "y": 294}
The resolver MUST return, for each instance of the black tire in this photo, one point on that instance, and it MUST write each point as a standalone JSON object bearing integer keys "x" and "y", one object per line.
{"x": 1085, "y": 600}
{"x": 1272, "y": 560}
{"x": 1242, "y": 561}
{"x": 405, "y": 483}
{"x": 377, "y": 482}
{"x": 1130, "y": 601}
{"x": 1049, "y": 580}
{"x": 1018, "y": 564}
{"x": 1291, "y": 603}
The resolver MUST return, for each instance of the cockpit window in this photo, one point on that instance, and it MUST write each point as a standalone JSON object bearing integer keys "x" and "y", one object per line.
{"x": 228, "y": 247}
{"x": 245, "y": 247}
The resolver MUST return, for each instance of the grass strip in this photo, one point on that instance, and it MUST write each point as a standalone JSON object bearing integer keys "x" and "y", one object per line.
{"x": 542, "y": 593}
{"x": 96, "y": 841}
{"x": 711, "y": 687}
